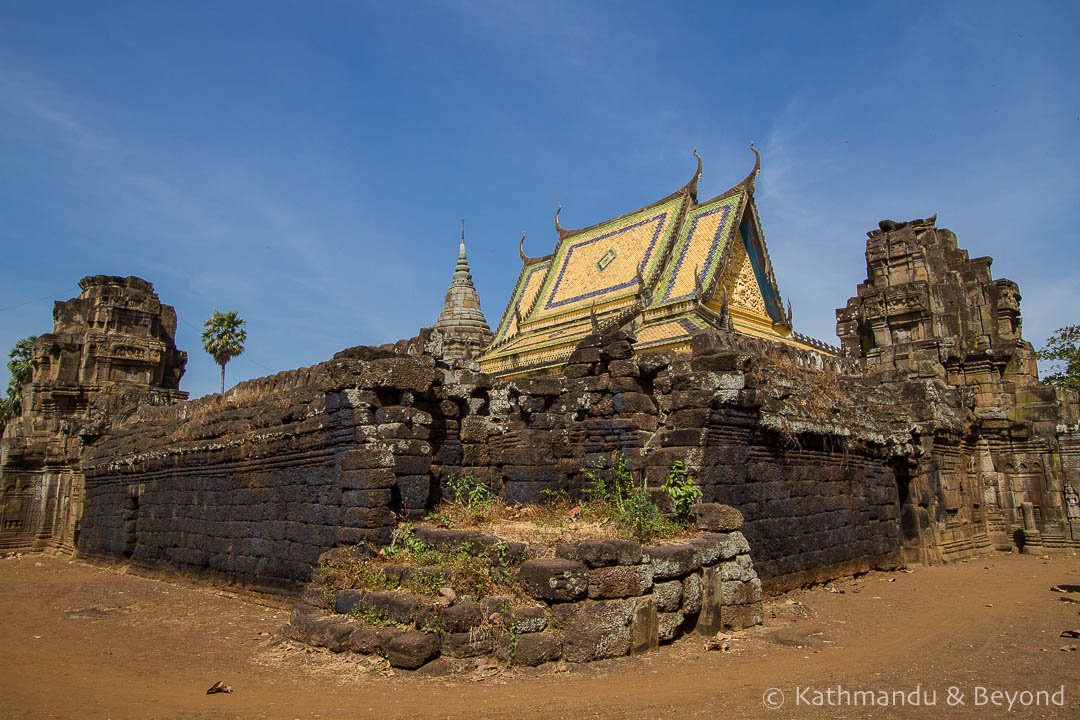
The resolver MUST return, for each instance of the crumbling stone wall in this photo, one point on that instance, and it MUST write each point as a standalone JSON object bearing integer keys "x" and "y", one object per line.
{"x": 253, "y": 487}
{"x": 111, "y": 350}
{"x": 596, "y": 599}
{"x": 992, "y": 437}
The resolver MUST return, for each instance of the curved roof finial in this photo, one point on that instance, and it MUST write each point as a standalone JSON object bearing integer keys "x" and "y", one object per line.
{"x": 525, "y": 259}
{"x": 748, "y": 183}
{"x": 692, "y": 185}
{"x": 559, "y": 228}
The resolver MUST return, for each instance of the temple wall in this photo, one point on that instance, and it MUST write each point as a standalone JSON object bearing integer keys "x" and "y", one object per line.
{"x": 253, "y": 487}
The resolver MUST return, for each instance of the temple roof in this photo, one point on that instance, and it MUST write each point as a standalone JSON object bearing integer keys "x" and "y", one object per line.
{"x": 666, "y": 271}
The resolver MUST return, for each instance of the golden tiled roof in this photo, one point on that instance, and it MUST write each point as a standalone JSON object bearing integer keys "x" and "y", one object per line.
{"x": 664, "y": 272}
{"x": 602, "y": 265}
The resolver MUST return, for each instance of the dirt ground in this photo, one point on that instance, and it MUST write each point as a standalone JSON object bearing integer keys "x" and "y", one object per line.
{"x": 82, "y": 641}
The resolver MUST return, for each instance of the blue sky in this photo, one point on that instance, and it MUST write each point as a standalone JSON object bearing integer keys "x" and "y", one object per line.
{"x": 307, "y": 164}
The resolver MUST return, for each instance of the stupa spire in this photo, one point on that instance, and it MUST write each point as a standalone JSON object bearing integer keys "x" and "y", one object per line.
{"x": 462, "y": 322}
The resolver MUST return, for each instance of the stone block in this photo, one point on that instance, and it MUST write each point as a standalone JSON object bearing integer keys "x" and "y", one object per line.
{"x": 462, "y": 618}
{"x": 363, "y": 517}
{"x": 467, "y": 644}
{"x": 494, "y": 604}
{"x": 691, "y": 594}
{"x": 367, "y": 459}
{"x": 629, "y": 403}
{"x": 668, "y": 625}
{"x": 366, "y": 498}
{"x": 602, "y": 553}
{"x": 709, "y": 618}
{"x": 672, "y": 560}
{"x": 535, "y": 649}
{"x": 410, "y": 649}
{"x": 475, "y": 429}
{"x": 378, "y": 537}
{"x": 620, "y": 581}
{"x": 376, "y": 479}
{"x": 733, "y": 592}
{"x": 584, "y": 356}
{"x": 402, "y": 431}
{"x": 527, "y": 493}
{"x": 400, "y": 414}
{"x": 712, "y": 547}
{"x": 370, "y": 639}
{"x": 668, "y": 595}
{"x": 687, "y": 437}
{"x": 740, "y": 568}
{"x": 319, "y": 630}
{"x": 596, "y": 644}
{"x": 618, "y": 350}
{"x": 644, "y": 628}
{"x": 396, "y": 607}
{"x": 411, "y": 465}
{"x": 528, "y": 619}
{"x": 554, "y": 579}
{"x": 623, "y": 368}
{"x": 414, "y": 491}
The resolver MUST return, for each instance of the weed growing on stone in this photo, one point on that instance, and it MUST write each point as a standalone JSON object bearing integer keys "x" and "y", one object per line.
{"x": 683, "y": 491}
{"x": 474, "y": 497}
{"x": 371, "y": 616}
{"x": 613, "y": 495}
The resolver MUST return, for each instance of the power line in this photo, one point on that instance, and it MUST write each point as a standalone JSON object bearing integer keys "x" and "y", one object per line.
{"x": 29, "y": 302}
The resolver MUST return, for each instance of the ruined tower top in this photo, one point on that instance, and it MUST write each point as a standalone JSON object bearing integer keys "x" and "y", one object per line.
{"x": 462, "y": 322}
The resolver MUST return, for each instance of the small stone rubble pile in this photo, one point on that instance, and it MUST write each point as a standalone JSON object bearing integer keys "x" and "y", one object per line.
{"x": 596, "y": 599}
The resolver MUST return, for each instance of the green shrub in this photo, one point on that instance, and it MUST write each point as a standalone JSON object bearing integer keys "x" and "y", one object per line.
{"x": 683, "y": 491}
{"x": 612, "y": 494}
{"x": 472, "y": 495}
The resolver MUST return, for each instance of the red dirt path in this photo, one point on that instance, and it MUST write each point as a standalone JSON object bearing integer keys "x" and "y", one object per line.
{"x": 81, "y": 641}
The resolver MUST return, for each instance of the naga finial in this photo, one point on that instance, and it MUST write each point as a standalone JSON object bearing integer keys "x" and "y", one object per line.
{"x": 692, "y": 185}
{"x": 725, "y": 313}
{"x": 521, "y": 248}
{"x": 558, "y": 228}
{"x": 790, "y": 326}
{"x": 699, "y": 291}
{"x": 592, "y": 318}
{"x": 748, "y": 183}
{"x": 642, "y": 290}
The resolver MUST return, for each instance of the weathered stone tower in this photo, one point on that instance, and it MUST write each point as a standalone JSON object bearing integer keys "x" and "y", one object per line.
{"x": 463, "y": 325}
{"x": 999, "y": 456}
{"x": 111, "y": 350}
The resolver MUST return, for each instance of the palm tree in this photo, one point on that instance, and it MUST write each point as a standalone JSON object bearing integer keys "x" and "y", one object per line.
{"x": 223, "y": 338}
{"x": 21, "y": 372}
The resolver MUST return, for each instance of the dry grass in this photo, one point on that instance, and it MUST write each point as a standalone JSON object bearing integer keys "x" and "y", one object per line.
{"x": 819, "y": 393}
{"x": 561, "y": 520}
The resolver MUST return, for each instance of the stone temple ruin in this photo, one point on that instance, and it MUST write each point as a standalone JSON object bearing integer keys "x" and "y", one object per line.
{"x": 926, "y": 436}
